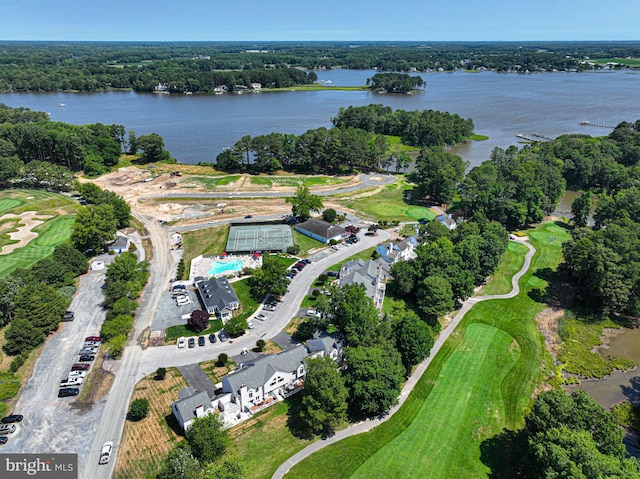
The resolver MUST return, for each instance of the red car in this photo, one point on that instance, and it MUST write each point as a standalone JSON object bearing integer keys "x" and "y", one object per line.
{"x": 93, "y": 339}
{"x": 80, "y": 367}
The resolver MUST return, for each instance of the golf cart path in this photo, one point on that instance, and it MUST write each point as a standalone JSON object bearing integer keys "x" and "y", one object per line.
{"x": 368, "y": 424}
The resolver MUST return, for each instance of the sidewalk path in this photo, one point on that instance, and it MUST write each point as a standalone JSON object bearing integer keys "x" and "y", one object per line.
{"x": 365, "y": 426}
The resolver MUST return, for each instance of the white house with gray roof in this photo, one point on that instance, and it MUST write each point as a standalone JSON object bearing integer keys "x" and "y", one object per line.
{"x": 257, "y": 384}
{"x": 192, "y": 404}
{"x": 218, "y": 297}
{"x": 325, "y": 345}
{"x": 371, "y": 274}
{"x": 401, "y": 251}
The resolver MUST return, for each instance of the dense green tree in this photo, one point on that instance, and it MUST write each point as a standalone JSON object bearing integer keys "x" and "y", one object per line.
{"x": 22, "y": 335}
{"x": 581, "y": 209}
{"x": 269, "y": 278}
{"x": 41, "y": 304}
{"x": 324, "y": 401}
{"x": 329, "y": 215}
{"x": 9, "y": 288}
{"x": 437, "y": 174}
{"x": 435, "y": 298}
{"x": 236, "y": 326}
{"x": 404, "y": 278}
{"x": 354, "y": 314}
{"x": 138, "y": 409}
{"x": 226, "y": 468}
{"x": 117, "y": 326}
{"x": 373, "y": 377}
{"x": 70, "y": 259}
{"x": 94, "y": 227}
{"x": 152, "y": 147}
{"x": 125, "y": 277}
{"x": 180, "y": 464}
{"x": 303, "y": 203}
{"x": 413, "y": 339}
{"x": 207, "y": 438}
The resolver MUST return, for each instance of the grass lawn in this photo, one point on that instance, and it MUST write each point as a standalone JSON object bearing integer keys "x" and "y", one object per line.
{"x": 175, "y": 332}
{"x": 249, "y": 305}
{"x": 51, "y": 233}
{"x": 265, "y": 441}
{"x": 510, "y": 263}
{"x": 480, "y": 382}
{"x": 388, "y": 205}
{"x": 204, "y": 241}
{"x": 296, "y": 180}
{"x": 211, "y": 182}
{"x": 146, "y": 443}
{"x": 306, "y": 243}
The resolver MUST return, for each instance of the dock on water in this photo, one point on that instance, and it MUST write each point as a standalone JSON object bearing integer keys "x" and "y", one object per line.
{"x": 600, "y": 125}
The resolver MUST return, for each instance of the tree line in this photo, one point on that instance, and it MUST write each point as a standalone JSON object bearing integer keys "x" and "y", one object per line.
{"x": 36, "y": 152}
{"x": 395, "y": 82}
{"x": 201, "y": 66}
{"x": 358, "y": 142}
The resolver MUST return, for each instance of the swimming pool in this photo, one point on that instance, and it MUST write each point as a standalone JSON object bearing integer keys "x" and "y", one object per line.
{"x": 219, "y": 267}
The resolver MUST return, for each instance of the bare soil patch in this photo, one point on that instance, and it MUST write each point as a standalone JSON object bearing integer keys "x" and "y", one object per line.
{"x": 547, "y": 322}
{"x": 97, "y": 386}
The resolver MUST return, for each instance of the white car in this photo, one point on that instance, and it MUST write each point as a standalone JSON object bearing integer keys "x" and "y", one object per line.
{"x": 105, "y": 454}
{"x": 212, "y": 222}
{"x": 77, "y": 374}
{"x": 251, "y": 325}
{"x": 313, "y": 312}
{"x": 68, "y": 382}
{"x": 182, "y": 342}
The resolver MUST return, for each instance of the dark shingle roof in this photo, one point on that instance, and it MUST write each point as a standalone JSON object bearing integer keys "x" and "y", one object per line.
{"x": 217, "y": 292}
{"x": 321, "y": 228}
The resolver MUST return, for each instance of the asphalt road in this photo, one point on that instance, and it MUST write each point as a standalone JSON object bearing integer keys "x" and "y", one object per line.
{"x": 369, "y": 424}
{"x": 53, "y": 424}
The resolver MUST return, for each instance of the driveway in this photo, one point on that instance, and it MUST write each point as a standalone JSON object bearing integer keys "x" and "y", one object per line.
{"x": 197, "y": 379}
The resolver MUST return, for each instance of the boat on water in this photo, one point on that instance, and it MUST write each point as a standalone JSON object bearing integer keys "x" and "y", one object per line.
{"x": 62, "y": 105}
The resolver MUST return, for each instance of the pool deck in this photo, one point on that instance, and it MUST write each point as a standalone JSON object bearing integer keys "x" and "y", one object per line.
{"x": 200, "y": 265}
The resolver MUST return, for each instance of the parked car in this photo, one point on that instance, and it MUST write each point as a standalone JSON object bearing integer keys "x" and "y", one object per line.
{"x": 68, "y": 382}
{"x": 7, "y": 428}
{"x": 66, "y": 392}
{"x": 313, "y": 312}
{"x": 3, "y": 440}
{"x": 212, "y": 222}
{"x": 12, "y": 418}
{"x": 86, "y": 357}
{"x": 77, "y": 374}
{"x": 305, "y": 261}
{"x": 80, "y": 367}
{"x": 269, "y": 307}
{"x": 261, "y": 317}
{"x": 201, "y": 341}
{"x": 212, "y": 338}
{"x": 88, "y": 350}
{"x": 68, "y": 316}
{"x": 250, "y": 325}
{"x": 192, "y": 343}
{"x": 248, "y": 217}
{"x": 222, "y": 336}
{"x": 105, "y": 453}
{"x": 181, "y": 342}
{"x": 93, "y": 338}
{"x": 333, "y": 274}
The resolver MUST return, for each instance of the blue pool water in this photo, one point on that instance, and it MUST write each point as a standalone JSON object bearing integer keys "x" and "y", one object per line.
{"x": 227, "y": 267}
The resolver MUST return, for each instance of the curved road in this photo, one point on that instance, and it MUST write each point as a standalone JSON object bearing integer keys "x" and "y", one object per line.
{"x": 364, "y": 426}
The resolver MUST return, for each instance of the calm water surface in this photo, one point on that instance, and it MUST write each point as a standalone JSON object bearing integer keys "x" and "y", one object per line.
{"x": 197, "y": 127}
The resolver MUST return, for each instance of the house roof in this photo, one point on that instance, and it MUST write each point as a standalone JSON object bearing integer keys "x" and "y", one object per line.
{"x": 321, "y": 228}
{"x": 322, "y": 343}
{"x": 257, "y": 373}
{"x": 187, "y": 405}
{"x": 217, "y": 292}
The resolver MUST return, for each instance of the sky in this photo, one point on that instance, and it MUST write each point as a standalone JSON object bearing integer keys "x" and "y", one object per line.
{"x": 308, "y": 20}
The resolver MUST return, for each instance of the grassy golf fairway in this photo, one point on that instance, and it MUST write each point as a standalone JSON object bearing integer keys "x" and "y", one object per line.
{"x": 58, "y": 215}
{"x": 480, "y": 382}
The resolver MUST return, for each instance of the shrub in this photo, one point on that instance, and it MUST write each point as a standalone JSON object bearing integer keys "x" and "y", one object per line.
{"x": 315, "y": 293}
{"x": 139, "y": 409}
{"x": 115, "y": 345}
{"x": 295, "y": 249}
{"x": 160, "y": 374}
{"x": 222, "y": 360}
{"x": 333, "y": 242}
{"x": 323, "y": 277}
{"x": 9, "y": 385}
{"x": 18, "y": 361}
{"x": 180, "y": 272}
{"x": 261, "y": 344}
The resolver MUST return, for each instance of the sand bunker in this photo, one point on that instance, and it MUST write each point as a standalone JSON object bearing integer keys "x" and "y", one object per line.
{"x": 24, "y": 233}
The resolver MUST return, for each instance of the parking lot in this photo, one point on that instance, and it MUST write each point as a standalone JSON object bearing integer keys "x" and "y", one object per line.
{"x": 53, "y": 424}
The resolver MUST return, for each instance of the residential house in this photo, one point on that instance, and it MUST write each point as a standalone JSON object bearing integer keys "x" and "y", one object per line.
{"x": 325, "y": 345}
{"x": 256, "y": 385}
{"x": 372, "y": 274}
{"x": 256, "y": 86}
{"x": 321, "y": 230}
{"x": 192, "y": 404}
{"x": 447, "y": 220}
{"x": 218, "y": 297}
{"x": 401, "y": 251}
{"x": 120, "y": 245}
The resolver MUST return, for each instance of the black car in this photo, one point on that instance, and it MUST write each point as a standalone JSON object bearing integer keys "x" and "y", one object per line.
{"x": 66, "y": 392}
{"x": 3, "y": 439}
{"x": 86, "y": 358}
{"x": 248, "y": 217}
{"x": 12, "y": 418}
{"x": 192, "y": 342}
{"x": 200, "y": 340}
{"x": 212, "y": 338}
{"x": 335, "y": 274}
{"x": 223, "y": 336}
{"x": 306, "y": 261}
{"x": 68, "y": 316}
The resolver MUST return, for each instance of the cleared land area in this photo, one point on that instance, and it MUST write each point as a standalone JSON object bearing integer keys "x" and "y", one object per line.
{"x": 32, "y": 224}
{"x": 480, "y": 382}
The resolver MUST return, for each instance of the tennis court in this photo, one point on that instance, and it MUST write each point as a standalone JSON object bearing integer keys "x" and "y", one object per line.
{"x": 259, "y": 237}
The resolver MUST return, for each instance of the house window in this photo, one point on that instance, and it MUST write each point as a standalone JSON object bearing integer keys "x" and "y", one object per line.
{"x": 280, "y": 380}
{"x": 272, "y": 383}
{"x": 250, "y": 394}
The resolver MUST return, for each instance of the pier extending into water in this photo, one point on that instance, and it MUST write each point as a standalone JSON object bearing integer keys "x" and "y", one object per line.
{"x": 534, "y": 137}
{"x": 600, "y": 125}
